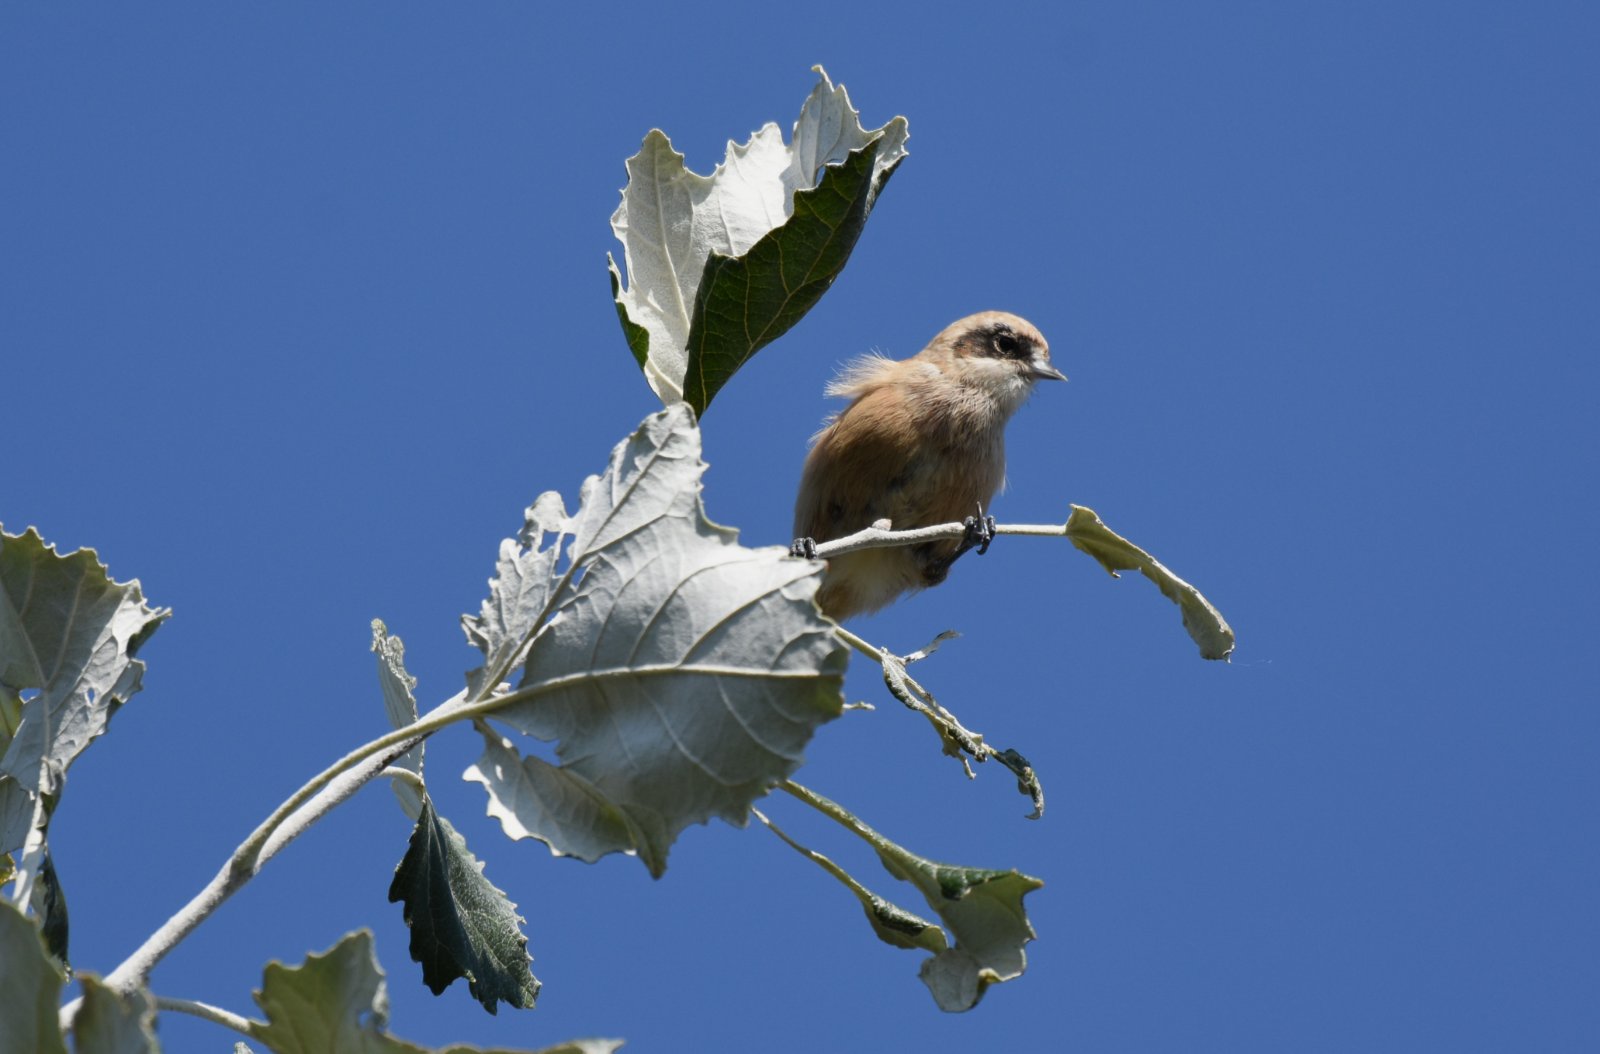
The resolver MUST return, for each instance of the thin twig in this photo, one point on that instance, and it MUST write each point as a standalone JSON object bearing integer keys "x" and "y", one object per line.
{"x": 881, "y": 538}
{"x": 915, "y": 697}
{"x": 957, "y": 739}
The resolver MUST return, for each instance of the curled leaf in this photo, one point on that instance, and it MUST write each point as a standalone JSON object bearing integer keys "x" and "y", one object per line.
{"x": 401, "y": 707}
{"x": 981, "y": 909}
{"x": 1115, "y": 553}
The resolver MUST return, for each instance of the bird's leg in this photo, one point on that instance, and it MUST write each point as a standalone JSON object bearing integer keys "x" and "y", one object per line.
{"x": 980, "y": 532}
{"x": 803, "y": 548}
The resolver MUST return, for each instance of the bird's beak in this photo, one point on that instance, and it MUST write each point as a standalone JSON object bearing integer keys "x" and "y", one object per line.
{"x": 1040, "y": 370}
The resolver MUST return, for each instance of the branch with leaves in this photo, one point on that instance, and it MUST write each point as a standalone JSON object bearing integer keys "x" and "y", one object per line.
{"x": 679, "y": 675}
{"x": 1085, "y": 530}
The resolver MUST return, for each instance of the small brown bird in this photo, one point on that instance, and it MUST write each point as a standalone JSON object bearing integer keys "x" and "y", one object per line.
{"x": 921, "y": 443}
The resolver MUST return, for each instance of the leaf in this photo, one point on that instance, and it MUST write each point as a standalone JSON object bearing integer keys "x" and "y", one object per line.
{"x": 337, "y": 1001}
{"x": 461, "y": 924}
{"x": 49, "y": 904}
{"x": 719, "y": 266}
{"x": 401, "y": 706}
{"x": 982, "y": 910}
{"x": 1115, "y": 553}
{"x": 572, "y": 1046}
{"x": 110, "y": 1023}
{"x": 333, "y": 1001}
{"x": 68, "y": 634}
{"x": 680, "y": 674}
{"x": 519, "y": 594}
{"x": 30, "y": 987}
{"x": 535, "y": 799}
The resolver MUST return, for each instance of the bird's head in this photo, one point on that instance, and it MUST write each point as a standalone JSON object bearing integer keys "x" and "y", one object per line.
{"x": 995, "y": 352}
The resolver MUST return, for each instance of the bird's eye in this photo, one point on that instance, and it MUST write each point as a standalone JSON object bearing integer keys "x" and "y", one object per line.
{"x": 1006, "y": 344}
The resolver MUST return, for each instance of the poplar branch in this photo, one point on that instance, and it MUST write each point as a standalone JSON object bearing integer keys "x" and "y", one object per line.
{"x": 876, "y": 537}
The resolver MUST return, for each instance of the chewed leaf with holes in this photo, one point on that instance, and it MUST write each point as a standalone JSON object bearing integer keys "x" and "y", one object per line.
{"x": 680, "y": 674}
{"x": 719, "y": 266}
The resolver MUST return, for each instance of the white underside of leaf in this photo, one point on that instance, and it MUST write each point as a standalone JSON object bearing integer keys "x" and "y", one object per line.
{"x": 680, "y": 674}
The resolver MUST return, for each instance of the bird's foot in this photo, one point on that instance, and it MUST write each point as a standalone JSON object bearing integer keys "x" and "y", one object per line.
{"x": 803, "y": 548}
{"x": 980, "y": 532}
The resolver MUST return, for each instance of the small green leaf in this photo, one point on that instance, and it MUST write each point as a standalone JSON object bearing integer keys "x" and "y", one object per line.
{"x": 1115, "y": 553}
{"x": 109, "y": 1023}
{"x": 461, "y": 924}
{"x": 30, "y": 987}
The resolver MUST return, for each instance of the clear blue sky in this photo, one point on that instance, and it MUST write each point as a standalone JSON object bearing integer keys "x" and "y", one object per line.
{"x": 301, "y": 304}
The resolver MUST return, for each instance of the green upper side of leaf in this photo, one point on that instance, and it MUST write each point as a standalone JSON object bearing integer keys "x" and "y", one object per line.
{"x": 462, "y": 925}
{"x": 720, "y": 265}
{"x": 746, "y": 302}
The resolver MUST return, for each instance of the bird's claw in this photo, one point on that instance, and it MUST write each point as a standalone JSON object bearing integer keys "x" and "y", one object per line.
{"x": 980, "y": 532}
{"x": 803, "y": 548}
